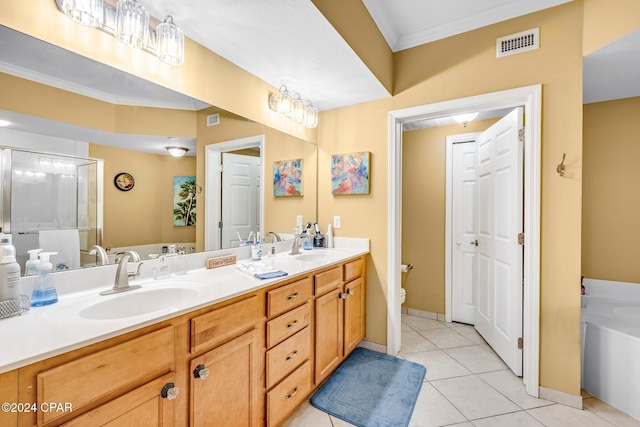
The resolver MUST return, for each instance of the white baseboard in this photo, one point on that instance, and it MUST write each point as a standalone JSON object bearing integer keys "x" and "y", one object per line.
{"x": 426, "y": 314}
{"x": 373, "y": 346}
{"x": 560, "y": 397}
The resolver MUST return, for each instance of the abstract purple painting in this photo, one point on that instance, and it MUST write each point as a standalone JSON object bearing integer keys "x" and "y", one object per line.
{"x": 350, "y": 173}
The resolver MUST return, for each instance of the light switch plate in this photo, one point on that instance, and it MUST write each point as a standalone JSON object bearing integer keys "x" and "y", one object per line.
{"x": 298, "y": 220}
{"x": 336, "y": 221}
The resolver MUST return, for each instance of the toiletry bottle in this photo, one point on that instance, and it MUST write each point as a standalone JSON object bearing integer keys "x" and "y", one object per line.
{"x": 329, "y": 236}
{"x": 44, "y": 292}
{"x": 9, "y": 270}
{"x": 32, "y": 263}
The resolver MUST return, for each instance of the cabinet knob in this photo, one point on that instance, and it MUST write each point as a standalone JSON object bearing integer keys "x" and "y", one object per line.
{"x": 342, "y": 295}
{"x": 349, "y": 291}
{"x": 201, "y": 372}
{"x": 169, "y": 391}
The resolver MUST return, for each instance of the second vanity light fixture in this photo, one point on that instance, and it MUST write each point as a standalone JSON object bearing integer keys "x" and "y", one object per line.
{"x": 294, "y": 107}
{"x": 129, "y": 23}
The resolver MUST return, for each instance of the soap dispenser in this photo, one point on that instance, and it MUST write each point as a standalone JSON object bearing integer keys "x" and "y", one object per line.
{"x": 44, "y": 292}
{"x": 32, "y": 263}
{"x": 9, "y": 270}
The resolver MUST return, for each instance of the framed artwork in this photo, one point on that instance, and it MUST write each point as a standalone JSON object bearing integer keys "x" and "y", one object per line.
{"x": 185, "y": 191}
{"x": 350, "y": 173}
{"x": 287, "y": 178}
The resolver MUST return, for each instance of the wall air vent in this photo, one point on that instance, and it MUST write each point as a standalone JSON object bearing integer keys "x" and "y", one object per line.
{"x": 518, "y": 43}
{"x": 213, "y": 119}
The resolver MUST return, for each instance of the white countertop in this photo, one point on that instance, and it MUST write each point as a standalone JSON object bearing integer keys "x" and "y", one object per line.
{"x": 47, "y": 331}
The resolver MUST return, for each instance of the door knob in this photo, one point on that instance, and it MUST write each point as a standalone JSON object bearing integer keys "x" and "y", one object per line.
{"x": 474, "y": 242}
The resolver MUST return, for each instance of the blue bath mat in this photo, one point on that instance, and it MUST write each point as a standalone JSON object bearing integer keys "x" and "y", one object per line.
{"x": 371, "y": 389}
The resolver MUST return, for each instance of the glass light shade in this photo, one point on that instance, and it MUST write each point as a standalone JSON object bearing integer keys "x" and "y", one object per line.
{"x": 465, "y": 118}
{"x": 4, "y": 123}
{"x": 285, "y": 102}
{"x": 310, "y": 116}
{"x": 177, "y": 151}
{"x": 85, "y": 12}
{"x": 298, "y": 109}
{"x": 132, "y": 23}
{"x": 170, "y": 42}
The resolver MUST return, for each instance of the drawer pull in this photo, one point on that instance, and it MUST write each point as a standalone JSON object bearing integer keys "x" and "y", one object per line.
{"x": 292, "y": 296}
{"x": 291, "y": 355}
{"x": 169, "y": 391}
{"x": 201, "y": 372}
{"x": 292, "y": 324}
{"x": 293, "y": 393}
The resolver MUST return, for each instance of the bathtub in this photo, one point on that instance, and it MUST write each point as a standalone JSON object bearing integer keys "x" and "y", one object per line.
{"x": 611, "y": 344}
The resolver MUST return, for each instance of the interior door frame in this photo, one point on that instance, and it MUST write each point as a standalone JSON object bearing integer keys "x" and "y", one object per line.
{"x": 448, "y": 228}
{"x": 529, "y": 97}
{"x": 213, "y": 185}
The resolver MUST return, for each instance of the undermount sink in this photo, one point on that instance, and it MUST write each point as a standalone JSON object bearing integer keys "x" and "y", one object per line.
{"x": 317, "y": 255}
{"x": 137, "y": 302}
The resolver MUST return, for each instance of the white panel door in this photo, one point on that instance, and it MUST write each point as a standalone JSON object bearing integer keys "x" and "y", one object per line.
{"x": 240, "y": 198}
{"x": 499, "y": 163}
{"x": 463, "y": 263}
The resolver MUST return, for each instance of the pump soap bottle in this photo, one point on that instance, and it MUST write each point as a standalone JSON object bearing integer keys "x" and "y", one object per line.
{"x": 32, "y": 263}
{"x": 9, "y": 270}
{"x": 44, "y": 292}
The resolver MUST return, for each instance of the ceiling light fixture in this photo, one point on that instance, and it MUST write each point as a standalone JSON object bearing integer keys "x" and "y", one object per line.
{"x": 465, "y": 118}
{"x": 177, "y": 151}
{"x": 129, "y": 22}
{"x": 4, "y": 123}
{"x": 294, "y": 107}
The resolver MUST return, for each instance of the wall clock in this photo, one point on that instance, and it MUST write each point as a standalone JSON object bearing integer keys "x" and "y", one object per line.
{"x": 124, "y": 181}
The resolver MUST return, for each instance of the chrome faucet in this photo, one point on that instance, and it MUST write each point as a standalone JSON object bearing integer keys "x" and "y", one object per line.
{"x": 273, "y": 235}
{"x": 103, "y": 258}
{"x": 295, "y": 249}
{"x": 121, "y": 283}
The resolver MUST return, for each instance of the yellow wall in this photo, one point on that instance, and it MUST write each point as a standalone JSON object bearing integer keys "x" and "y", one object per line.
{"x": 280, "y": 213}
{"x": 143, "y": 215}
{"x": 462, "y": 66}
{"x": 610, "y": 201}
{"x": 423, "y": 212}
{"x": 605, "y": 21}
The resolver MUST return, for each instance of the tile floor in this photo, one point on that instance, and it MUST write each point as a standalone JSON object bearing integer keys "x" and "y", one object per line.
{"x": 468, "y": 385}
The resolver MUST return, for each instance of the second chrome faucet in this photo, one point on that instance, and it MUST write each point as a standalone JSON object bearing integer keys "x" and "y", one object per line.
{"x": 121, "y": 283}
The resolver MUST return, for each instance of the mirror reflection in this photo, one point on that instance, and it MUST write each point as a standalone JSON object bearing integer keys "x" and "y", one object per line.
{"x": 146, "y": 193}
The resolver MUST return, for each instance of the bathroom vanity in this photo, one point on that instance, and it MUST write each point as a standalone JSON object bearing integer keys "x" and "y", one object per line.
{"x": 247, "y": 352}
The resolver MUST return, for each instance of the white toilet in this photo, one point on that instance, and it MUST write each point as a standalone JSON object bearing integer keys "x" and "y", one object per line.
{"x": 403, "y": 295}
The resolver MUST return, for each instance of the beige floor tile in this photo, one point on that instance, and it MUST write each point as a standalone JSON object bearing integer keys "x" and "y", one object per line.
{"x": 470, "y": 333}
{"x": 404, "y": 327}
{"x": 520, "y": 419}
{"x": 337, "y": 422}
{"x": 307, "y": 415}
{"x": 432, "y": 409}
{"x": 609, "y": 413}
{"x": 564, "y": 416}
{"x": 421, "y": 324}
{"x": 413, "y": 342}
{"x": 439, "y": 364}
{"x": 445, "y": 338}
{"x": 476, "y": 359}
{"x": 513, "y": 388}
{"x": 474, "y": 398}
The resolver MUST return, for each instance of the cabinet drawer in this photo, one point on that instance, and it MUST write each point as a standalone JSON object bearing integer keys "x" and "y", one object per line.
{"x": 288, "y": 296}
{"x": 288, "y": 355}
{"x": 288, "y": 324}
{"x": 89, "y": 378}
{"x": 288, "y": 394}
{"x": 353, "y": 269}
{"x": 224, "y": 323}
{"x": 328, "y": 280}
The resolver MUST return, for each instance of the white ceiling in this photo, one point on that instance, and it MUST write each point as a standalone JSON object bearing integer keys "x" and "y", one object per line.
{"x": 290, "y": 42}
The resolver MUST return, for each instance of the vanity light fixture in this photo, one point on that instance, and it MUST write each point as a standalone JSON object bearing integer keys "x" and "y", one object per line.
{"x": 465, "y": 118}
{"x": 85, "y": 12}
{"x": 294, "y": 107}
{"x": 177, "y": 151}
{"x": 132, "y": 23}
{"x": 129, "y": 22}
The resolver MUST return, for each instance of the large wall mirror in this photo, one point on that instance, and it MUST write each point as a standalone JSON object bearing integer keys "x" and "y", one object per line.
{"x": 59, "y": 102}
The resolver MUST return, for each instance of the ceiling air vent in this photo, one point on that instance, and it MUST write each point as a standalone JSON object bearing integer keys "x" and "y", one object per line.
{"x": 518, "y": 43}
{"x": 213, "y": 119}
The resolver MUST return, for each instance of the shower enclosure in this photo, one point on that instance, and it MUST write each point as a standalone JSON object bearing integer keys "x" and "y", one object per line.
{"x": 45, "y": 192}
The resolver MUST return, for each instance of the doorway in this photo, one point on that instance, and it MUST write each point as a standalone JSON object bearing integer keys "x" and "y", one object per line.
{"x": 530, "y": 98}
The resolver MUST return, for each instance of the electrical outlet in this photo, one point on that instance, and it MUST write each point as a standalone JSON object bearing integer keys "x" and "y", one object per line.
{"x": 298, "y": 220}
{"x": 336, "y": 221}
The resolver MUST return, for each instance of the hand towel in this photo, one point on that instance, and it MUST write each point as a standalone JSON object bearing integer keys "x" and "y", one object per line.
{"x": 66, "y": 243}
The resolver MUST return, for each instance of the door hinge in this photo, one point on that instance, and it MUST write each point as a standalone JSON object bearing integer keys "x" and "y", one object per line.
{"x": 520, "y": 343}
{"x": 219, "y": 224}
{"x": 521, "y": 135}
{"x": 521, "y": 238}
{"x": 220, "y": 167}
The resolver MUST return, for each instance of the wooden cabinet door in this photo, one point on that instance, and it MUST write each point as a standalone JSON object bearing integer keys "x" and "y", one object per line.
{"x": 329, "y": 333}
{"x": 354, "y": 315}
{"x": 142, "y": 407}
{"x": 231, "y": 393}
